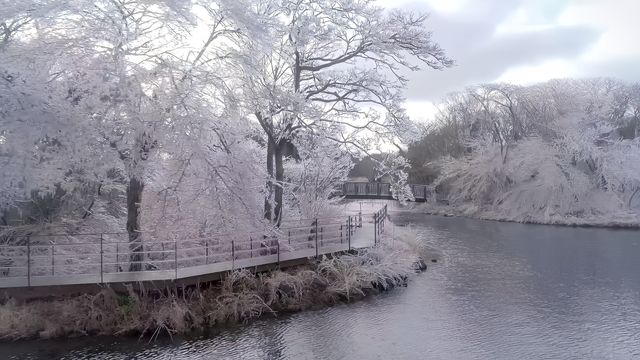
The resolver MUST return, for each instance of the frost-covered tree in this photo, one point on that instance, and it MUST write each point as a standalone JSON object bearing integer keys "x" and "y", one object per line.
{"x": 332, "y": 69}
{"x": 311, "y": 188}
{"x": 124, "y": 86}
{"x": 572, "y": 160}
{"x": 43, "y": 145}
{"x": 130, "y": 87}
{"x": 48, "y": 146}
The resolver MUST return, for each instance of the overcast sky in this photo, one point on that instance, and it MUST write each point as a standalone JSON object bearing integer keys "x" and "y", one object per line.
{"x": 524, "y": 41}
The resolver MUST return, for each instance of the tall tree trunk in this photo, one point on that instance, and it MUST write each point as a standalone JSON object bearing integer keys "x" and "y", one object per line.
{"x": 134, "y": 199}
{"x": 267, "y": 204}
{"x": 279, "y": 157}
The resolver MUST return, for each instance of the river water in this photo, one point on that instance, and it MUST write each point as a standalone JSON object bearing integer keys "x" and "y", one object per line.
{"x": 499, "y": 291}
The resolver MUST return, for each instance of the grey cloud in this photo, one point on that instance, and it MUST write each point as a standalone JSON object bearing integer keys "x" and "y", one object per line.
{"x": 481, "y": 56}
{"x": 623, "y": 69}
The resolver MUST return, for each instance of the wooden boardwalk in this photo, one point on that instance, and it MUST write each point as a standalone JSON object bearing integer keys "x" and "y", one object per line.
{"x": 36, "y": 265}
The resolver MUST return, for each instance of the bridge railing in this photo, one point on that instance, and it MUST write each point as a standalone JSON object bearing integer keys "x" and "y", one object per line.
{"x": 383, "y": 190}
{"x": 46, "y": 259}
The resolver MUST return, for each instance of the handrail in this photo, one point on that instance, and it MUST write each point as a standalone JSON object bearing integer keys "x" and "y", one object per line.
{"x": 52, "y": 263}
{"x": 382, "y": 190}
{"x": 210, "y": 235}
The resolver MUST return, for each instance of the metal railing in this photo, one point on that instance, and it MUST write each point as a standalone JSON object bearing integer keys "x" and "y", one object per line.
{"x": 55, "y": 259}
{"x": 383, "y": 190}
{"x": 379, "y": 219}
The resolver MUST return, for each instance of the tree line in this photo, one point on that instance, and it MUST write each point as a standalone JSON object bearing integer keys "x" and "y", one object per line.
{"x": 565, "y": 147}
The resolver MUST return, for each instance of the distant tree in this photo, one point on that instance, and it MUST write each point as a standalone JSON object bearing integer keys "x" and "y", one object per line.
{"x": 548, "y": 151}
{"x": 312, "y": 182}
{"x": 365, "y": 167}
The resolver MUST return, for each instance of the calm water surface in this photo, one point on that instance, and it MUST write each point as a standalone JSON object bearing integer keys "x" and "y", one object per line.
{"x": 501, "y": 291}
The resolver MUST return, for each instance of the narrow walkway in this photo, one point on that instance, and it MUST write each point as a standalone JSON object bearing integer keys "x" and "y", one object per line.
{"x": 47, "y": 266}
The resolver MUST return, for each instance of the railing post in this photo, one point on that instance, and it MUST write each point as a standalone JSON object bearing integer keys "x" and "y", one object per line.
{"x": 278, "y": 244}
{"x": 118, "y": 255}
{"x": 101, "y": 259}
{"x": 340, "y": 233}
{"x": 175, "y": 257}
{"x": 384, "y": 219}
{"x": 375, "y": 229}
{"x": 289, "y": 237}
{"x": 53, "y": 261}
{"x": 321, "y": 237}
{"x": 386, "y": 213}
{"x": 316, "y": 238}
{"x": 29, "y": 260}
{"x": 381, "y": 227}
{"x": 206, "y": 254}
{"x": 233, "y": 254}
{"x": 349, "y": 232}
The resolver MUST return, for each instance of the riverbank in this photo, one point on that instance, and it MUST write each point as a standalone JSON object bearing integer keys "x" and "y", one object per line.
{"x": 240, "y": 297}
{"x": 616, "y": 221}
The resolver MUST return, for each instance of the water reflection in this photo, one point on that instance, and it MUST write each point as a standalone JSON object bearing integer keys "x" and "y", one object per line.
{"x": 503, "y": 291}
